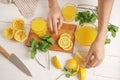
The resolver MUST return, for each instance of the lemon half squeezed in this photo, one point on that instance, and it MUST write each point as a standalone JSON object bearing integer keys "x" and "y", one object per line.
{"x": 20, "y": 35}
{"x": 9, "y": 33}
{"x": 56, "y": 62}
{"x": 18, "y": 24}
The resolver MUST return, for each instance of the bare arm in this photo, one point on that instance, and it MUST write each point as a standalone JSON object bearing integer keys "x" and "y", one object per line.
{"x": 104, "y": 10}
{"x": 54, "y": 17}
{"x": 96, "y": 52}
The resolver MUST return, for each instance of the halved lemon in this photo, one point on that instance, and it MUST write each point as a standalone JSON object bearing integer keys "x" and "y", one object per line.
{"x": 56, "y": 62}
{"x": 9, "y": 33}
{"x": 20, "y": 35}
{"x": 65, "y": 35}
{"x": 82, "y": 73}
{"x": 18, "y": 24}
{"x": 72, "y": 64}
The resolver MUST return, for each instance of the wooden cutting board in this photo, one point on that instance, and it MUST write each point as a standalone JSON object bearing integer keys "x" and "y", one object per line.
{"x": 66, "y": 28}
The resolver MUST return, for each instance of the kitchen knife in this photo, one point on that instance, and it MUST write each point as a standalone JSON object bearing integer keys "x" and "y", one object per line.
{"x": 15, "y": 60}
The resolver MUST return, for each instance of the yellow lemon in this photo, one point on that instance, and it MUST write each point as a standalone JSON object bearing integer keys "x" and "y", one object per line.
{"x": 18, "y": 24}
{"x": 70, "y": 47}
{"x": 9, "y": 33}
{"x": 85, "y": 35}
{"x": 64, "y": 42}
{"x": 69, "y": 11}
{"x": 20, "y": 35}
{"x": 65, "y": 35}
{"x": 82, "y": 73}
{"x": 39, "y": 26}
{"x": 79, "y": 58}
{"x": 71, "y": 64}
{"x": 56, "y": 62}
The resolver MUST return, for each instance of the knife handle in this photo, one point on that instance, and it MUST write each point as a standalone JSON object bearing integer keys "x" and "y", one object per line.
{"x": 4, "y": 52}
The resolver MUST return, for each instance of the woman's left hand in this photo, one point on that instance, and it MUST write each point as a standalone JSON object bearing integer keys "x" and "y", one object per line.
{"x": 95, "y": 54}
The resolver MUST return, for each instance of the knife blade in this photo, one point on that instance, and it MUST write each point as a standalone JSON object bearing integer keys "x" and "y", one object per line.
{"x": 15, "y": 60}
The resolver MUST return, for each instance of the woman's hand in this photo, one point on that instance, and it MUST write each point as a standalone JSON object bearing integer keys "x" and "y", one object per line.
{"x": 95, "y": 54}
{"x": 55, "y": 19}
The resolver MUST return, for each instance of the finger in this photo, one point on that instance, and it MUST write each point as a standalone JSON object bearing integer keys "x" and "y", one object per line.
{"x": 88, "y": 57}
{"x": 60, "y": 23}
{"x": 97, "y": 63}
{"x": 55, "y": 25}
{"x": 92, "y": 63}
{"x": 50, "y": 24}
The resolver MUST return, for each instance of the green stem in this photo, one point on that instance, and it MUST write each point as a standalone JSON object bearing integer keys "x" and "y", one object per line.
{"x": 60, "y": 76}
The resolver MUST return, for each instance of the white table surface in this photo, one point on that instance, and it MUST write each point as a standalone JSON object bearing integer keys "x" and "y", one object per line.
{"x": 108, "y": 70}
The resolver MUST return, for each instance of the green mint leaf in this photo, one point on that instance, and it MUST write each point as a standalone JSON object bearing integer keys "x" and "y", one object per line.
{"x": 65, "y": 69}
{"x": 34, "y": 46}
{"x": 107, "y": 41}
{"x": 73, "y": 71}
{"x": 44, "y": 46}
{"x": 113, "y": 33}
{"x": 67, "y": 75}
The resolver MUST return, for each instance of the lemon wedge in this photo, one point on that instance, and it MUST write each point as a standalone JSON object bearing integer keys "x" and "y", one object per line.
{"x": 9, "y": 33}
{"x": 56, "y": 62}
{"x": 20, "y": 35}
{"x": 82, "y": 73}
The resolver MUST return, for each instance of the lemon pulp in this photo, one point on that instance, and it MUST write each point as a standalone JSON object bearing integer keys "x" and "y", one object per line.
{"x": 69, "y": 11}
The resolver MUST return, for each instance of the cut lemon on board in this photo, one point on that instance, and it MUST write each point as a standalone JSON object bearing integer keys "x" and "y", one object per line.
{"x": 65, "y": 35}
{"x": 18, "y": 24}
{"x": 9, "y": 33}
{"x": 65, "y": 42}
{"x": 82, "y": 73}
{"x": 56, "y": 62}
{"x": 20, "y": 35}
{"x": 39, "y": 26}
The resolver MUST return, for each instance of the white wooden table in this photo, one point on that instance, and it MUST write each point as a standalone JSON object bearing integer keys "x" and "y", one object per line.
{"x": 108, "y": 70}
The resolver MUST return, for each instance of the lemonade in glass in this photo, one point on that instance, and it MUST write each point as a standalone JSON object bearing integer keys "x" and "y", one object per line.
{"x": 69, "y": 12}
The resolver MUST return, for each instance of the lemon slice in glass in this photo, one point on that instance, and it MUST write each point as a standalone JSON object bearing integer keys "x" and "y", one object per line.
{"x": 56, "y": 62}
{"x": 9, "y": 33}
{"x": 20, "y": 35}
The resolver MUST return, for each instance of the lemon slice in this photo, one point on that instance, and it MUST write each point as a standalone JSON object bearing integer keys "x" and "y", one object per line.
{"x": 18, "y": 24}
{"x": 79, "y": 58}
{"x": 64, "y": 42}
{"x": 9, "y": 33}
{"x": 82, "y": 73}
{"x": 77, "y": 70}
{"x": 56, "y": 62}
{"x": 65, "y": 35}
{"x": 70, "y": 47}
{"x": 20, "y": 35}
